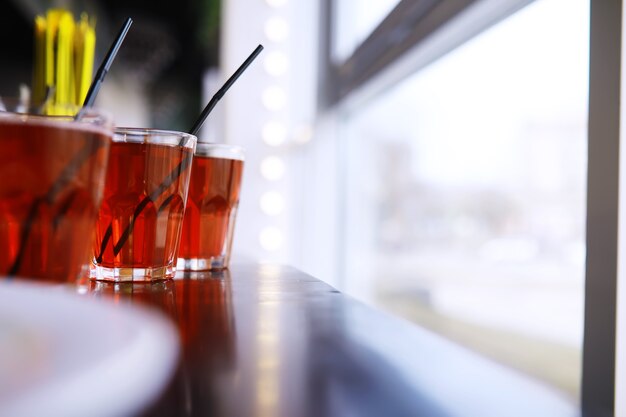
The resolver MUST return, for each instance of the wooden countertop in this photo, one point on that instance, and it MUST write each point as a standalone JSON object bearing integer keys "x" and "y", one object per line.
{"x": 268, "y": 340}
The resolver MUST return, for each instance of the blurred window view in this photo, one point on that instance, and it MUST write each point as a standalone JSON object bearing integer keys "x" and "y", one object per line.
{"x": 465, "y": 193}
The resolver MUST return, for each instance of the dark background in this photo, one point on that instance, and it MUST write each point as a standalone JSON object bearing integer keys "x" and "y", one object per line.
{"x": 168, "y": 48}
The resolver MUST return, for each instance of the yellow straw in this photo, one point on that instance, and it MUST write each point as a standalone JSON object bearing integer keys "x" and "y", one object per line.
{"x": 39, "y": 77}
{"x": 64, "y": 55}
{"x": 52, "y": 19}
{"x": 85, "y": 44}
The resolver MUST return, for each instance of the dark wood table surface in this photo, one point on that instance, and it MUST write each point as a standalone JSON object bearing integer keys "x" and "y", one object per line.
{"x": 267, "y": 340}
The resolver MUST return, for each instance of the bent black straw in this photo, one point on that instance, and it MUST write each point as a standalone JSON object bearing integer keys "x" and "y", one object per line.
{"x": 183, "y": 165}
{"x": 53, "y": 192}
{"x": 90, "y": 98}
{"x": 220, "y": 93}
{"x": 154, "y": 195}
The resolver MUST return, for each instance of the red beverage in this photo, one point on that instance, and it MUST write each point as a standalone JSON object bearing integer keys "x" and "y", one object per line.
{"x": 211, "y": 207}
{"x": 141, "y": 216}
{"x": 205, "y": 318}
{"x": 200, "y": 304}
{"x": 52, "y": 174}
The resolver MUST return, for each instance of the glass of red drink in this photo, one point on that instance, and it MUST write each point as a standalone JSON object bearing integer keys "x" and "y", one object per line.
{"x": 145, "y": 193}
{"x": 52, "y": 170}
{"x": 209, "y": 223}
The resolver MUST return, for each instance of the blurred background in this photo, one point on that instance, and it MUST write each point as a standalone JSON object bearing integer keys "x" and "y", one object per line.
{"x": 427, "y": 157}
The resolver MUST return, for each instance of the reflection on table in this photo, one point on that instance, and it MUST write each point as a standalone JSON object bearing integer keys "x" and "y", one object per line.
{"x": 266, "y": 340}
{"x": 200, "y": 305}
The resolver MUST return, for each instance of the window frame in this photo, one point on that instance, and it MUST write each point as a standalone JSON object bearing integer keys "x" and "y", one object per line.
{"x": 407, "y": 39}
{"x": 603, "y": 166}
{"x": 445, "y": 25}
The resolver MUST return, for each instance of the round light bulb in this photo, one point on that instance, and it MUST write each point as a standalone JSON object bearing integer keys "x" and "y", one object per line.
{"x": 274, "y": 133}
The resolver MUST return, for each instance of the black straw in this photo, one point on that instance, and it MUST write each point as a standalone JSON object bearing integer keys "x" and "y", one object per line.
{"x": 178, "y": 170}
{"x": 90, "y": 98}
{"x": 196, "y": 127}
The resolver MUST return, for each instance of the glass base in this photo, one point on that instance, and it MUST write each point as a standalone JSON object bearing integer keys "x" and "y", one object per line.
{"x": 202, "y": 264}
{"x": 157, "y": 273}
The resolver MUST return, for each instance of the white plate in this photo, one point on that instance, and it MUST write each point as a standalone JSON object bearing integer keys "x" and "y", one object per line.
{"x": 64, "y": 355}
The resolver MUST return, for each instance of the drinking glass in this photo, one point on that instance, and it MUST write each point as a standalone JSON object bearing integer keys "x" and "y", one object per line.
{"x": 52, "y": 172}
{"x": 140, "y": 221}
{"x": 209, "y": 224}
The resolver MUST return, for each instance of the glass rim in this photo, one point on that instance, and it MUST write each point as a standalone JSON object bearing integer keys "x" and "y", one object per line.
{"x": 220, "y": 150}
{"x": 92, "y": 119}
{"x": 153, "y": 136}
{"x": 15, "y": 106}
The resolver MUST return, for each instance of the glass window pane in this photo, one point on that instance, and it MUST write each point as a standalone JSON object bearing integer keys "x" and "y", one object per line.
{"x": 354, "y": 21}
{"x": 466, "y": 193}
